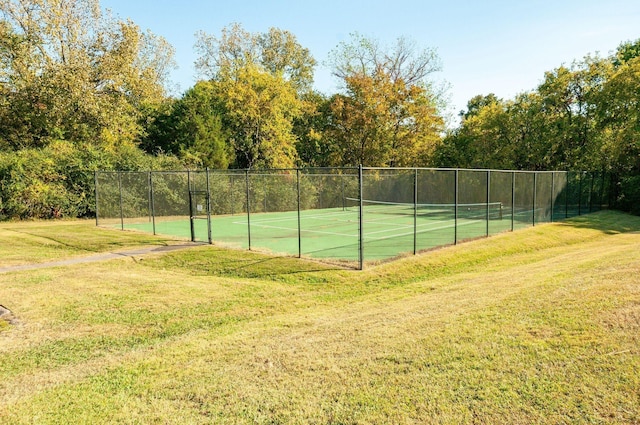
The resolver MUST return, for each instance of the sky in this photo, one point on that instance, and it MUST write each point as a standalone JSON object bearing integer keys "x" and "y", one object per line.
{"x": 485, "y": 46}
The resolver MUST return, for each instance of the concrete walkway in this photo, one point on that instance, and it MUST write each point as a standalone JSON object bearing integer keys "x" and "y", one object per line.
{"x": 99, "y": 257}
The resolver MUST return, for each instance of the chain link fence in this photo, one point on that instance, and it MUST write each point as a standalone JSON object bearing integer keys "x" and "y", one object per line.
{"x": 348, "y": 215}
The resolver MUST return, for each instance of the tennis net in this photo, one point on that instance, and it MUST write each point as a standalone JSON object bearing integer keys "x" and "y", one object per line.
{"x": 476, "y": 211}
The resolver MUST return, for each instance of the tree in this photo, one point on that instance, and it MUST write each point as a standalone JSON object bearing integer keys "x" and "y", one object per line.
{"x": 625, "y": 52}
{"x": 388, "y": 113}
{"x": 475, "y": 105}
{"x": 259, "y": 81}
{"x": 191, "y": 128}
{"x": 569, "y": 106}
{"x": 403, "y": 61}
{"x": 68, "y": 71}
{"x": 484, "y": 139}
{"x": 276, "y": 52}
{"x": 258, "y": 111}
{"x": 619, "y": 118}
{"x": 311, "y": 129}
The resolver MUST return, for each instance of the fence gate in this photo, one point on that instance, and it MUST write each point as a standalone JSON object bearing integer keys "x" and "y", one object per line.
{"x": 200, "y": 207}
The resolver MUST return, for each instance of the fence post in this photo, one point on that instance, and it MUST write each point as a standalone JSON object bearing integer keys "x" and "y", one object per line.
{"x": 553, "y": 193}
{"x": 152, "y": 202}
{"x": 580, "y": 193}
{"x": 535, "y": 193}
{"x": 232, "y": 196}
{"x": 264, "y": 189}
{"x": 95, "y": 190}
{"x": 191, "y": 225}
{"x": 299, "y": 223}
{"x": 360, "y": 220}
{"x": 209, "y": 235}
{"x": 600, "y": 200}
{"x": 455, "y": 210}
{"x": 488, "y": 198}
{"x": 591, "y": 192}
{"x": 566, "y": 196}
{"x": 246, "y": 180}
{"x": 121, "y": 207}
{"x": 415, "y": 211}
{"x": 513, "y": 199}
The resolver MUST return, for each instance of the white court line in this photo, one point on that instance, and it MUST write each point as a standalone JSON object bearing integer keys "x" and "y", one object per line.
{"x": 422, "y": 231}
{"x": 303, "y": 230}
{"x": 366, "y": 234}
{"x": 295, "y": 217}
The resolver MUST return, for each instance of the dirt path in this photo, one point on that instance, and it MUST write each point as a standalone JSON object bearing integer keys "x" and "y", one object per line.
{"x": 99, "y": 257}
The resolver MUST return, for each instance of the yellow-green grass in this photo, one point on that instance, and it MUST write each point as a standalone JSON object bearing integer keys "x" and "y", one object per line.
{"x": 41, "y": 241}
{"x": 537, "y": 326}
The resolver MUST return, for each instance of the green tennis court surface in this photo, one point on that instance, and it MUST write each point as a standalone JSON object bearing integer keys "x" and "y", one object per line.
{"x": 334, "y": 233}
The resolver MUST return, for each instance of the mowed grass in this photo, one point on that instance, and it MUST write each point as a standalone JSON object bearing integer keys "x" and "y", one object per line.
{"x": 41, "y": 241}
{"x": 537, "y": 326}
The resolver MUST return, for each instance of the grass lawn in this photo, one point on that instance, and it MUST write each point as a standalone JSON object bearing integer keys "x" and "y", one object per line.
{"x": 537, "y": 326}
{"x": 41, "y": 241}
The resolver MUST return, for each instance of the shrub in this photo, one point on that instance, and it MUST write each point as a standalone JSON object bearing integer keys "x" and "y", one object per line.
{"x": 58, "y": 180}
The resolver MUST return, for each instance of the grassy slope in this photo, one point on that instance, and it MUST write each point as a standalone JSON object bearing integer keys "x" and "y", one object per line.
{"x": 538, "y": 326}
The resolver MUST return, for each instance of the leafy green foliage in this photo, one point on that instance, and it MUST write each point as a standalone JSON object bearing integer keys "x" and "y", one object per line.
{"x": 388, "y": 114}
{"x": 380, "y": 122}
{"x": 582, "y": 117}
{"x": 258, "y": 80}
{"x": 71, "y": 72}
{"x": 258, "y": 111}
{"x": 311, "y": 130}
{"x": 57, "y": 181}
{"x": 191, "y": 128}
{"x": 276, "y": 52}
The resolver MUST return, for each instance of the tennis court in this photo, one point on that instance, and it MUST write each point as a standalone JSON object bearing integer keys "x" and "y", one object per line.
{"x": 353, "y": 215}
{"x": 388, "y": 229}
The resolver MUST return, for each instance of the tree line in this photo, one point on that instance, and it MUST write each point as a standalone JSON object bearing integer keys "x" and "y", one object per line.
{"x": 82, "y": 90}
{"x": 585, "y": 116}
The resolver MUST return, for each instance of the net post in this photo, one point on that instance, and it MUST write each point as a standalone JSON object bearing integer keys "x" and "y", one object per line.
{"x": 299, "y": 223}
{"x": 535, "y": 193}
{"x": 95, "y": 191}
{"x": 415, "y": 211}
{"x": 513, "y": 199}
{"x": 152, "y": 202}
{"x": 121, "y": 206}
{"x": 455, "y": 209}
{"x": 209, "y": 235}
{"x": 488, "y": 199}
{"x": 246, "y": 181}
{"x": 360, "y": 221}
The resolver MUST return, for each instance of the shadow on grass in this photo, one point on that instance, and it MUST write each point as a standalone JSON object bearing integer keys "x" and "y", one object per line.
{"x": 220, "y": 262}
{"x": 272, "y": 267}
{"x": 609, "y": 222}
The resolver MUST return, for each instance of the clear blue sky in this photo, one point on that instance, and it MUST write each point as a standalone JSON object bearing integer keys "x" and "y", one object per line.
{"x": 486, "y": 46}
